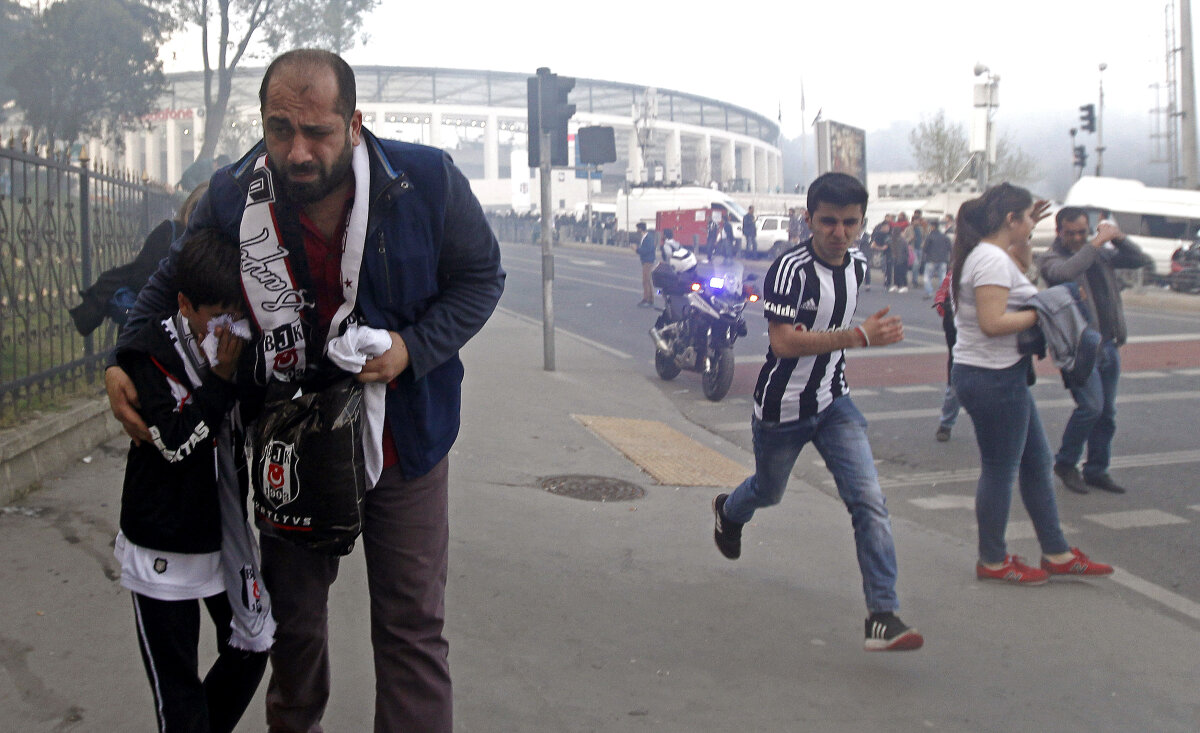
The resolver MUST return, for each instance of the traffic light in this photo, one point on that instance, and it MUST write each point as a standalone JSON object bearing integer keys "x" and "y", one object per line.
{"x": 546, "y": 95}
{"x": 1080, "y": 156}
{"x": 1087, "y": 116}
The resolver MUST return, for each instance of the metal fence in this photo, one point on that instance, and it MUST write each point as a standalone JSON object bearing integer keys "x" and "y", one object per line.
{"x": 61, "y": 225}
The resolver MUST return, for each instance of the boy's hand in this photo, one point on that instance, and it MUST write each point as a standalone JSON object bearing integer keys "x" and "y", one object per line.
{"x": 229, "y": 348}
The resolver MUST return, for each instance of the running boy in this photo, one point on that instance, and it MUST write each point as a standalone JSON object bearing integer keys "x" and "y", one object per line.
{"x": 184, "y": 537}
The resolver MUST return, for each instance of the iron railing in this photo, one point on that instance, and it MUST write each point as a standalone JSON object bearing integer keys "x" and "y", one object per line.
{"x": 61, "y": 225}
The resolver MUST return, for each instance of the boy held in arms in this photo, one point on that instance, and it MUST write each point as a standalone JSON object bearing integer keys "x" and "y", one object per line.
{"x": 184, "y": 535}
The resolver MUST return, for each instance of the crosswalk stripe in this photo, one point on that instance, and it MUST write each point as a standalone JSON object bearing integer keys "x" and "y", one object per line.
{"x": 1171, "y": 600}
{"x": 1135, "y": 518}
{"x": 972, "y": 474}
{"x": 945, "y": 501}
{"x": 1146, "y": 374}
{"x": 1122, "y": 399}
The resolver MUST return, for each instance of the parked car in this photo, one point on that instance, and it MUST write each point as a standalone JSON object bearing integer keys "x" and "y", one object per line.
{"x": 772, "y": 235}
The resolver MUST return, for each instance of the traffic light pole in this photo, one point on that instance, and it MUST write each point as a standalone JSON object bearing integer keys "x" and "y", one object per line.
{"x": 547, "y": 256}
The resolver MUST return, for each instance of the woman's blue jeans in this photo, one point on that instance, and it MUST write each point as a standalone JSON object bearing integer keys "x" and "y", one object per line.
{"x": 1012, "y": 445}
{"x": 840, "y": 435}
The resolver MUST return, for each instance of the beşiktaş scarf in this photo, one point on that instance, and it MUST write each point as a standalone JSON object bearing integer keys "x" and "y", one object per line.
{"x": 276, "y": 300}
{"x": 252, "y": 626}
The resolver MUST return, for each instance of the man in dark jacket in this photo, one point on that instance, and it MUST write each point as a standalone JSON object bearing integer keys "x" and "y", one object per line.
{"x": 1090, "y": 265}
{"x": 645, "y": 252}
{"x": 937, "y": 255}
{"x": 430, "y": 276}
{"x": 750, "y": 232}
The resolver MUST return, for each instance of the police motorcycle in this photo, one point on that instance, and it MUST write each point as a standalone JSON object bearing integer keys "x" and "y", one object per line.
{"x": 702, "y": 318}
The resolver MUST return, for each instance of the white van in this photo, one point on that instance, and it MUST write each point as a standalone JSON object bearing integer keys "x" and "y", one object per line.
{"x": 643, "y": 204}
{"x": 1159, "y": 220}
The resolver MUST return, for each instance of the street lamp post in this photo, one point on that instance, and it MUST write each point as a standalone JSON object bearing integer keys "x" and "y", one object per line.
{"x": 1100, "y": 125}
{"x": 987, "y": 99}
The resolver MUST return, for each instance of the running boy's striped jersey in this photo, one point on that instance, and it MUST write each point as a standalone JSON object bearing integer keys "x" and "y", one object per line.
{"x": 802, "y": 290}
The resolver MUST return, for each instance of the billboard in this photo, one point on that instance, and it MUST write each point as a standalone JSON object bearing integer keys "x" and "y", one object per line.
{"x": 842, "y": 149}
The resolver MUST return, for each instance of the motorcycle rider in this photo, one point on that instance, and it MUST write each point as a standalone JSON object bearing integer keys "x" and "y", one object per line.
{"x": 669, "y": 245}
{"x": 673, "y": 276}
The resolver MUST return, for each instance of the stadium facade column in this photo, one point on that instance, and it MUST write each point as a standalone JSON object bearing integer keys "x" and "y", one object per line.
{"x": 134, "y": 150}
{"x": 491, "y": 148}
{"x": 435, "y": 128}
{"x": 762, "y": 173}
{"x": 728, "y": 160}
{"x": 704, "y": 165}
{"x": 637, "y": 166}
{"x": 154, "y": 155}
{"x": 746, "y": 166}
{"x": 174, "y": 152}
{"x": 674, "y": 172}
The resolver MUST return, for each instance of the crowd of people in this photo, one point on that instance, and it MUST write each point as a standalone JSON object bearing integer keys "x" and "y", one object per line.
{"x": 902, "y": 247}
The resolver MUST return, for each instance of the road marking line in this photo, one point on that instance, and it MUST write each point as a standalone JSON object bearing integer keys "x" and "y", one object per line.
{"x": 945, "y": 501}
{"x": 1195, "y": 507}
{"x": 1135, "y": 518}
{"x": 913, "y": 389}
{"x": 1171, "y": 600}
{"x": 1148, "y": 374}
{"x": 1022, "y": 529}
{"x": 1163, "y": 338}
{"x": 860, "y": 392}
{"x": 569, "y": 334}
{"x": 1187, "y": 372}
{"x": 1122, "y": 399}
{"x": 972, "y": 474}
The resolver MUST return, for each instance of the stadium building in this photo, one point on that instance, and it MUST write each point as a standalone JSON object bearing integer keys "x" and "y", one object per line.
{"x": 662, "y": 136}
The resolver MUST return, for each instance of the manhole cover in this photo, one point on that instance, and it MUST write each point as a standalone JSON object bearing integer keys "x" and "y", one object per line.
{"x": 592, "y": 488}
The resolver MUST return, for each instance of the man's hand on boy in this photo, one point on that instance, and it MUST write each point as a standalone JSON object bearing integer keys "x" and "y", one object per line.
{"x": 123, "y": 400}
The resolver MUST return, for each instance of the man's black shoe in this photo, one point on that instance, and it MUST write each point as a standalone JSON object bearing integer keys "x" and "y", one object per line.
{"x": 1104, "y": 482}
{"x": 1069, "y": 475}
{"x": 727, "y": 534}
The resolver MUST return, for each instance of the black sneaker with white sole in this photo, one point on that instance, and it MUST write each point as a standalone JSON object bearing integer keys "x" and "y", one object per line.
{"x": 885, "y": 632}
{"x": 727, "y": 534}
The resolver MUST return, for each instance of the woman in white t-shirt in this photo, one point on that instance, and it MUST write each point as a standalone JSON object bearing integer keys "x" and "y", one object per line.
{"x": 991, "y": 254}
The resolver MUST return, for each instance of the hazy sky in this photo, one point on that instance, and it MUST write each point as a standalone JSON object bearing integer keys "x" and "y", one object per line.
{"x": 867, "y": 63}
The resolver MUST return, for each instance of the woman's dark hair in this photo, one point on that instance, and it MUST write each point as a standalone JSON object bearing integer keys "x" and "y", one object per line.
{"x": 208, "y": 270}
{"x": 980, "y": 217}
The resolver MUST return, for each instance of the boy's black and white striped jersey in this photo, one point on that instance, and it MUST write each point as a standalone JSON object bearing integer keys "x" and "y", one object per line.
{"x": 802, "y": 290}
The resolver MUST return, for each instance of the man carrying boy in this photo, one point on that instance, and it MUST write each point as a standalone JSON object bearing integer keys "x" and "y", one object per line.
{"x": 181, "y": 540}
{"x": 801, "y": 397}
{"x": 335, "y": 222}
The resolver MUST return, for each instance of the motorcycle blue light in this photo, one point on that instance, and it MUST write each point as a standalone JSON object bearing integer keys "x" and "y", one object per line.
{"x": 716, "y": 282}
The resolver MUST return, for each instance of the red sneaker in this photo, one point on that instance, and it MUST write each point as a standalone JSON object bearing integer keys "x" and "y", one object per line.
{"x": 1081, "y": 564}
{"x": 1012, "y": 571}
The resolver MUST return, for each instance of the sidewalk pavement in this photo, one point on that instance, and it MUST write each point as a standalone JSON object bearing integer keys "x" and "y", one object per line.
{"x": 569, "y": 615}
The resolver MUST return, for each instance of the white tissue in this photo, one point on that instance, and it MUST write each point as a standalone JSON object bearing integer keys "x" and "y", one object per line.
{"x": 240, "y": 328}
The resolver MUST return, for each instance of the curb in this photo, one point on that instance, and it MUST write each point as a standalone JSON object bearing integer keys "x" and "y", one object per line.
{"x": 45, "y": 446}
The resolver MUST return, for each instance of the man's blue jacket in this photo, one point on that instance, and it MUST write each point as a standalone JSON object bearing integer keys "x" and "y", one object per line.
{"x": 431, "y": 272}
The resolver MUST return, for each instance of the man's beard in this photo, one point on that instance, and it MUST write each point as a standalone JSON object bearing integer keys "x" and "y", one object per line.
{"x": 326, "y": 181}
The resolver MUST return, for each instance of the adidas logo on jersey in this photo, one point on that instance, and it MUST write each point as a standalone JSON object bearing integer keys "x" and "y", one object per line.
{"x": 808, "y": 305}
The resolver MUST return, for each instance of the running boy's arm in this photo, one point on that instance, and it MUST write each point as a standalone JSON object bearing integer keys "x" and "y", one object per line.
{"x": 792, "y": 340}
